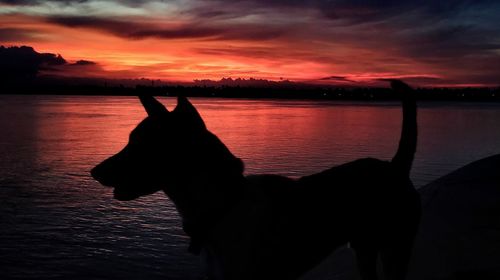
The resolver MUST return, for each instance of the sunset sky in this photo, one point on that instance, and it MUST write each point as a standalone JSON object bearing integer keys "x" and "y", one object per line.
{"x": 428, "y": 43}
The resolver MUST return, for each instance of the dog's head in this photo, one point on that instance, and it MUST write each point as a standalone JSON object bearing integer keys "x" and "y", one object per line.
{"x": 165, "y": 149}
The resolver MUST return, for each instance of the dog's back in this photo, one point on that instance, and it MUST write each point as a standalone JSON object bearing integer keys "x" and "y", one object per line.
{"x": 288, "y": 226}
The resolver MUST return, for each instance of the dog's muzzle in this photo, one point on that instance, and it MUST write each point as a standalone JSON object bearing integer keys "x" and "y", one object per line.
{"x": 100, "y": 174}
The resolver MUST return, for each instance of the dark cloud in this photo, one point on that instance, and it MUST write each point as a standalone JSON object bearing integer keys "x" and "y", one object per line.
{"x": 133, "y": 30}
{"x": 451, "y": 44}
{"x": 337, "y": 79}
{"x": 412, "y": 79}
{"x": 424, "y": 30}
{"x": 37, "y": 2}
{"x": 15, "y": 34}
{"x": 131, "y": 3}
{"x": 418, "y": 79}
{"x": 24, "y": 63}
{"x": 138, "y": 30}
{"x": 83, "y": 63}
{"x": 18, "y": 2}
{"x": 361, "y": 10}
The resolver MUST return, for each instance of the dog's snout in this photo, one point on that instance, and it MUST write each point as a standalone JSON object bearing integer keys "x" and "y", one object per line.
{"x": 95, "y": 172}
{"x": 101, "y": 174}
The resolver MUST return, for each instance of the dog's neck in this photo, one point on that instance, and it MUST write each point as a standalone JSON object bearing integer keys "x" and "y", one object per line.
{"x": 199, "y": 193}
{"x": 203, "y": 201}
{"x": 209, "y": 190}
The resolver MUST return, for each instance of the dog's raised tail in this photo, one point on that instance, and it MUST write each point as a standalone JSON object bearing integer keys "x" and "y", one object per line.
{"x": 408, "y": 142}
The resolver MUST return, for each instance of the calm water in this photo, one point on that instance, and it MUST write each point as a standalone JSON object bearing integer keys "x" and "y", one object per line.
{"x": 56, "y": 222}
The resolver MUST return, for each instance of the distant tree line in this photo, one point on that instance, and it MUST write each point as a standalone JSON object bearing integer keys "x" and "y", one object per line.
{"x": 288, "y": 92}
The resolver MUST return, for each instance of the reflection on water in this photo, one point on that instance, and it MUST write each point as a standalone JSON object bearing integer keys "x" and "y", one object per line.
{"x": 57, "y": 222}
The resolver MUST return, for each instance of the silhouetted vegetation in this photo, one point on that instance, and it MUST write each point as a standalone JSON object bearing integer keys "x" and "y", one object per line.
{"x": 288, "y": 91}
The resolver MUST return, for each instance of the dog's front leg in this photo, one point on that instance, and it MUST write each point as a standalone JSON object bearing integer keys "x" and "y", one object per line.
{"x": 366, "y": 257}
{"x": 211, "y": 265}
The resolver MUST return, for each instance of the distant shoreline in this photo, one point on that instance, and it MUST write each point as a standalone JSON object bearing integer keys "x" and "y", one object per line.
{"x": 293, "y": 93}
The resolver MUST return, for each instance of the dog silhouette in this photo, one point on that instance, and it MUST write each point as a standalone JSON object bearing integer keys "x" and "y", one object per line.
{"x": 270, "y": 226}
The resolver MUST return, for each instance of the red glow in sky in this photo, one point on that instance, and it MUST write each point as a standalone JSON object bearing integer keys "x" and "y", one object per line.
{"x": 330, "y": 42}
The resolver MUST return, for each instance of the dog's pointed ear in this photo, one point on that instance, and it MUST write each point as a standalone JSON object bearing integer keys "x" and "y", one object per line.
{"x": 189, "y": 112}
{"x": 153, "y": 107}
